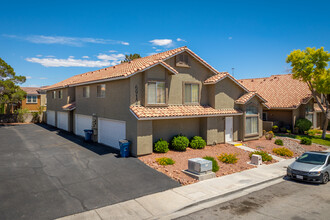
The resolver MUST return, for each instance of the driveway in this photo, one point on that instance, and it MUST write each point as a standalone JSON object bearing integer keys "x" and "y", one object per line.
{"x": 46, "y": 173}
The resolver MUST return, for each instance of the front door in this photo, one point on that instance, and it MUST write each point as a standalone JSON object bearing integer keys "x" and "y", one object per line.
{"x": 229, "y": 129}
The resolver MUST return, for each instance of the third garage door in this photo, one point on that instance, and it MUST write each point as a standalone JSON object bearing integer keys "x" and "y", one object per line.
{"x": 111, "y": 131}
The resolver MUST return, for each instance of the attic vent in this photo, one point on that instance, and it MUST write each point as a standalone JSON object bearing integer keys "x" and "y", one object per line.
{"x": 182, "y": 60}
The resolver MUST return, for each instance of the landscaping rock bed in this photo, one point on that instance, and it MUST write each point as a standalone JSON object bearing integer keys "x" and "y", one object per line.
{"x": 291, "y": 144}
{"x": 181, "y": 161}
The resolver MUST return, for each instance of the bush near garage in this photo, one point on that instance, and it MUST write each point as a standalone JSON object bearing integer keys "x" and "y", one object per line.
{"x": 197, "y": 142}
{"x": 282, "y": 151}
{"x": 275, "y": 129}
{"x": 161, "y": 146}
{"x": 265, "y": 156}
{"x": 279, "y": 142}
{"x": 269, "y": 135}
{"x": 180, "y": 143}
{"x": 228, "y": 158}
{"x": 165, "y": 161}
{"x": 305, "y": 141}
{"x": 215, "y": 166}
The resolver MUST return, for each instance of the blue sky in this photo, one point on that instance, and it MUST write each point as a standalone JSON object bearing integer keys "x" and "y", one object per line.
{"x": 49, "y": 41}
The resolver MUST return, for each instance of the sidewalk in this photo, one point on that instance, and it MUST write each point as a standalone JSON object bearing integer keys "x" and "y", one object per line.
{"x": 187, "y": 199}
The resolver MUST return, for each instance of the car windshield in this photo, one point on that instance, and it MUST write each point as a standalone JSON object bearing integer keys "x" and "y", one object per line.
{"x": 316, "y": 159}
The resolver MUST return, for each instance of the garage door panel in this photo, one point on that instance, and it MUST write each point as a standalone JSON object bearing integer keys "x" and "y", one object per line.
{"x": 111, "y": 131}
{"x": 63, "y": 120}
{"x": 51, "y": 117}
{"x": 82, "y": 122}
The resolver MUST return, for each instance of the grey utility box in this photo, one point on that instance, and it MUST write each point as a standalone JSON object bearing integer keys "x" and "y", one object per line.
{"x": 199, "y": 165}
{"x": 256, "y": 159}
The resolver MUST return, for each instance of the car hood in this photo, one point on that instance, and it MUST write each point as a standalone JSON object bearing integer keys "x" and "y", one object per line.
{"x": 305, "y": 167}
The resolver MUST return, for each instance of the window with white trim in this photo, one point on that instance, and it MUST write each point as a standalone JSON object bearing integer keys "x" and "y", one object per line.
{"x": 100, "y": 91}
{"x": 156, "y": 93}
{"x": 251, "y": 120}
{"x": 86, "y": 91}
{"x": 31, "y": 99}
{"x": 54, "y": 94}
{"x": 191, "y": 93}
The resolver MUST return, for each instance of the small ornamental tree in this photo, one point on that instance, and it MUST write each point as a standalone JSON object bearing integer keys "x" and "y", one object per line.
{"x": 310, "y": 66}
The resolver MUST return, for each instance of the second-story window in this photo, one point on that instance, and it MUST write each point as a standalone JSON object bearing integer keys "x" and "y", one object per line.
{"x": 54, "y": 94}
{"x": 60, "y": 94}
{"x": 86, "y": 91}
{"x": 156, "y": 93}
{"x": 31, "y": 99}
{"x": 100, "y": 93}
{"x": 191, "y": 93}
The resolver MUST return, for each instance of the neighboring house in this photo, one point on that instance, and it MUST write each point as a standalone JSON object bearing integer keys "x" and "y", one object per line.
{"x": 158, "y": 96}
{"x": 288, "y": 99}
{"x": 34, "y": 99}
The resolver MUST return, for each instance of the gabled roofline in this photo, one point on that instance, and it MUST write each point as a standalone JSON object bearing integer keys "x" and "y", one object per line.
{"x": 232, "y": 78}
{"x": 255, "y": 94}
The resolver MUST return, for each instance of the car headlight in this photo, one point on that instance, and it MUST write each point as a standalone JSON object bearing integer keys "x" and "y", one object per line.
{"x": 315, "y": 173}
{"x": 289, "y": 169}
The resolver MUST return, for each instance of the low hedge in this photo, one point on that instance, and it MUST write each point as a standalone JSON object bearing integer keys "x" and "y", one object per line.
{"x": 282, "y": 151}
{"x": 279, "y": 142}
{"x": 161, "y": 146}
{"x": 265, "y": 156}
{"x": 305, "y": 141}
{"x": 165, "y": 161}
{"x": 180, "y": 143}
{"x": 197, "y": 142}
{"x": 215, "y": 166}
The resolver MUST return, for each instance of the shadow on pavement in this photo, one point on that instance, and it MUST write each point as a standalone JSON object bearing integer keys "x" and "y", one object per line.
{"x": 288, "y": 179}
{"x": 97, "y": 148}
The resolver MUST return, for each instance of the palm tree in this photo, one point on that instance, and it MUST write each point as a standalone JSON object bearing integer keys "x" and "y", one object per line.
{"x": 131, "y": 57}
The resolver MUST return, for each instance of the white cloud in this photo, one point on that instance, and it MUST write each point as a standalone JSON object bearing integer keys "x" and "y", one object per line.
{"x": 229, "y": 38}
{"x": 43, "y": 78}
{"x": 69, "y": 62}
{"x": 112, "y": 51}
{"x": 49, "y": 56}
{"x": 154, "y": 48}
{"x": 39, "y": 55}
{"x": 85, "y": 57}
{"x": 113, "y": 57}
{"x": 32, "y": 85}
{"x": 180, "y": 39}
{"x": 71, "y": 41}
{"x": 28, "y": 77}
{"x": 158, "y": 50}
{"x": 162, "y": 42}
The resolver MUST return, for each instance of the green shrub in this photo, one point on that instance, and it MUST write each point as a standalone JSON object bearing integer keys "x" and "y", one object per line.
{"x": 180, "y": 143}
{"x": 161, "y": 146}
{"x": 283, "y": 129}
{"x": 265, "y": 156}
{"x": 275, "y": 128}
{"x": 305, "y": 141}
{"x": 197, "y": 142}
{"x": 228, "y": 158}
{"x": 215, "y": 166}
{"x": 165, "y": 161}
{"x": 282, "y": 151}
{"x": 303, "y": 125}
{"x": 279, "y": 142}
{"x": 22, "y": 114}
{"x": 288, "y": 131}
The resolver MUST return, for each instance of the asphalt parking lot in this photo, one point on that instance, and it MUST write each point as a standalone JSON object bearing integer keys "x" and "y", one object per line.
{"x": 46, "y": 173}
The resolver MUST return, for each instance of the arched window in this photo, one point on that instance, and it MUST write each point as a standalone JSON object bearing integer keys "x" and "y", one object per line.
{"x": 251, "y": 120}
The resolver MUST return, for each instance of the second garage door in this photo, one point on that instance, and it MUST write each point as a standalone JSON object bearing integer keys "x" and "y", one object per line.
{"x": 63, "y": 120}
{"x": 82, "y": 122}
{"x": 111, "y": 131}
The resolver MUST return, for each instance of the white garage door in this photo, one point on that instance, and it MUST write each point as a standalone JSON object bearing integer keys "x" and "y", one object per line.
{"x": 82, "y": 122}
{"x": 111, "y": 131}
{"x": 51, "y": 117}
{"x": 62, "y": 120}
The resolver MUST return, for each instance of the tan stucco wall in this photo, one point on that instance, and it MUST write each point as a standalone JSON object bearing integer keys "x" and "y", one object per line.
{"x": 282, "y": 116}
{"x": 226, "y": 92}
{"x": 144, "y": 137}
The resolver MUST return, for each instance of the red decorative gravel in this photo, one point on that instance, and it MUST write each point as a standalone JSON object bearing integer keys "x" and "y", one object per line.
{"x": 181, "y": 161}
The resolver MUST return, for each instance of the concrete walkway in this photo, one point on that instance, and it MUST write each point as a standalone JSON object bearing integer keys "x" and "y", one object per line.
{"x": 191, "y": 198}
{"x": 243, "y": 147}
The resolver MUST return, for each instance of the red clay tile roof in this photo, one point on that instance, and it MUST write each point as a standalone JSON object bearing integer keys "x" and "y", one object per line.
{"x": 31, "y": 90}
{"x": 216, "y": 78}
{"x": 128, "y": 68}
{"x": 317, "y": 108}
{"x": 247, "y": 96}
{"x": 177, "y": 111}
{"x": 280, "y": 91}
{"x": 69, "y": 107}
